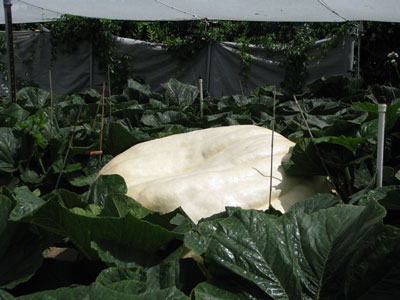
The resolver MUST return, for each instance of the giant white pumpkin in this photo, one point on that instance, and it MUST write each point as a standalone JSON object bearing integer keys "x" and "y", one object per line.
{"x": 206, "y": 170}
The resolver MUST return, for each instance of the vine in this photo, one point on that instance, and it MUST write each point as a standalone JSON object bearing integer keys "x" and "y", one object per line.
{"x": 70, "y": 31}
{"x": 20, "y": 82}
{"x": 288, "y": 43}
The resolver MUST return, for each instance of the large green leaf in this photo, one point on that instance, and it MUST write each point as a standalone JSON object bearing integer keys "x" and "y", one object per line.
{"x": 349, "y": 143}
{"x": 82, "y": 226}
{"x": 298, "y": 255}
{"x": 14, "y": 147}
{"x": 330, "y": 87}
{"x": 119, "y": 205}
{"x": 385, "y": 94}
{"x": 100, "y": 292}
{"x": 362, "y": 176}
{"x": 217, "y": 291}
{"x": 377, "y": 275}
{"x": 20, "y": 253}
{"x": 137, "y": 91}
{"x": 157, "y": 119}
{"x": 392, "y": 116}
{"x": 34, "y": 97}
{"x": 388, "y": 196}
{"x": 304, "y": 160}
{"x": 27, "y": 203}
{"x": 111, "y": 275}
{"x": 316, "y": 203}
{"x": 104, "y": 185}
{"x": 11, "y": 114}
{"x": 336, "y": 152}
{"x": 6, "y": 296}
{"x": 124, "y": 256}
{"x": 119, "y": 136}
{"x": 179, "y": 93}
{"x": 151, "y": 271}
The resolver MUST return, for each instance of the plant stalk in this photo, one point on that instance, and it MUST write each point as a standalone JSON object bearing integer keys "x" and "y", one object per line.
{"x": 102, "y": 125}
{"x": 272, "y": 149}
{"x": 316, "y": 148}
{"x": 69, "y": 147}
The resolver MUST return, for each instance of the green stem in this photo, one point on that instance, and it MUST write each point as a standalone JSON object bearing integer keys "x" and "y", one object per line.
{"x": 348, "y": 180}
{"x": 41, "y": 164}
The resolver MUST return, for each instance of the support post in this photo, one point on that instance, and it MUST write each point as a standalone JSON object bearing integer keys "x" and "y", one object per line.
{"x": 91, "y": 66}
{"x": 359, "y": 35}
{"x": 201, "y": 96}
{"x": 209, "y": 67}
{"x": 381, "y": 144}
{"x": 12, "y": 90}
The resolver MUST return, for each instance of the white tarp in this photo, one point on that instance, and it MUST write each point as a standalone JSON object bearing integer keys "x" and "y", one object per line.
{"x": 29, "y": 11}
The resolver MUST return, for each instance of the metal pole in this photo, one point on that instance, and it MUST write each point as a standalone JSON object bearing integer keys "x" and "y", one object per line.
{"x": 381, "y": 144}
{"x": 12, "y": 90}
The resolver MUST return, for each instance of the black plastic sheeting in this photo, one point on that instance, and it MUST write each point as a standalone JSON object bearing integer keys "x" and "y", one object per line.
{"x": 219, "y": 64}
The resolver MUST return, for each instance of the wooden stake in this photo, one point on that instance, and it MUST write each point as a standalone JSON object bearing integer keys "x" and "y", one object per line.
{"x": 51, "y": 103}
{"x": 201, "y": 96}
{"x": 102, "y": 124}
{"x": 109, "y": 89}
{"x": 316, "y": 148}
{"x": 272, "y": 149}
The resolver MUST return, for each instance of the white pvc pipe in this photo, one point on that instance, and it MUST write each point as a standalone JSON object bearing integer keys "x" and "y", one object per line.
{"x": 201, "y": 95}
{"x": 381, "y": 144}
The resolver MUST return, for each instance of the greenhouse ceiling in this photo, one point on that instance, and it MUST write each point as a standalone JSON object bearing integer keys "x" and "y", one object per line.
{"x": 33, "y": 11}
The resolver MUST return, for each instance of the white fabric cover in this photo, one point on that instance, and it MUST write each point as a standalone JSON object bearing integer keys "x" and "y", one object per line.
{"x": 28, "y": 11}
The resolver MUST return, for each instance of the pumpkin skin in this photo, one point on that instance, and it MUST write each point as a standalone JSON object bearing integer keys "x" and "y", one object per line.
{"x": 206, "y": 170}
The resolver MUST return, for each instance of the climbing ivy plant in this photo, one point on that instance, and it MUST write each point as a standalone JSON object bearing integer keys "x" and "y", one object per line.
{"x": 20, "y": 82}
{"x": 287, "y": 43}
{"x": 70, "y": 31}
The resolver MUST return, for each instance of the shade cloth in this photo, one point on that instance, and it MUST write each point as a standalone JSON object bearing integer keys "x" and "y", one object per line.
{"x": 219, "y": 65}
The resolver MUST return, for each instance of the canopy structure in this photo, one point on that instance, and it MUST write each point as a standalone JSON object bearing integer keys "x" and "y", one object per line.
{"x": 32, "y": 11}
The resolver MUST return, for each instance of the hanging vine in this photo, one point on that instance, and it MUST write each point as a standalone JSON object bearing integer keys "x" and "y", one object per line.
{"x": 287, "y": 43}
{"x": 70, "y": 31}
{"x": 28, "y": 64}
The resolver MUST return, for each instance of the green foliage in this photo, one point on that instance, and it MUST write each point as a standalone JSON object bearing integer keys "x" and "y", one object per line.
{"x": 17, "y": 264}
{"x": 69, "y": 32}
{"x": 379, "y": 59}
{"x": 20, "y": 82}
{"x": 288, "y": 43}
{"x": 33, "y": 149}
{"x": 349, "y": 243}
{"x": 299, "y": 255}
